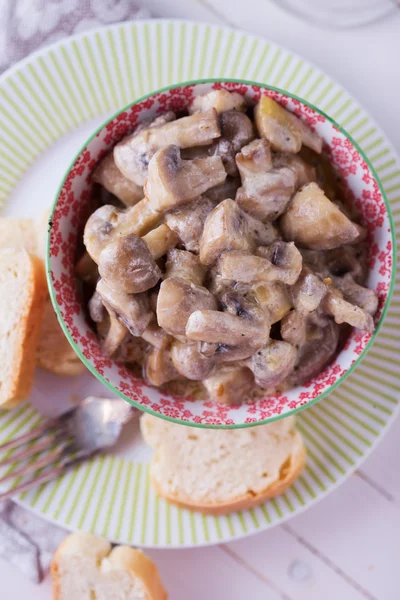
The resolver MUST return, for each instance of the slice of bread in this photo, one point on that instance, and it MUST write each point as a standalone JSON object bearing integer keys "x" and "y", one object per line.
{"x": 18, "y": 233}
{"x": 219, "y": 471}
{"x": 23, "y": 292}
{"x": 54, "y": 352}
{"x": 85, "y": 568}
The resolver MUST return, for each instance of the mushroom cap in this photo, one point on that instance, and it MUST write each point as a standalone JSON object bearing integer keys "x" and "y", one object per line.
{"x": 127, "y": 265}
{"x": 189, "y": 362}
{"x": 110, "y": 177}
{"x": 177, "y": 300}
{"x": 173, "y": 181}
{"x": 133, "y": 310}
{"x": 99, "y": 229}
{"x": 273, "y": 363}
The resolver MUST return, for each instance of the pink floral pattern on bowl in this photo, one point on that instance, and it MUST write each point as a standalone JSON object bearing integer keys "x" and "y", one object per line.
{"x": 73, "y": 206}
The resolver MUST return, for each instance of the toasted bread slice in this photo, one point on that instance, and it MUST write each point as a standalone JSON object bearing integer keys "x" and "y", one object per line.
{"x": 84, "y": 567}
{"x": 54, "y": 352}
{"x": 219, "y": 471}
{"x": 23, "y": 292}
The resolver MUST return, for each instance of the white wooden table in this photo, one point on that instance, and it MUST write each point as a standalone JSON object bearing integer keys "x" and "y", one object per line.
{"x": 348, "y": 546}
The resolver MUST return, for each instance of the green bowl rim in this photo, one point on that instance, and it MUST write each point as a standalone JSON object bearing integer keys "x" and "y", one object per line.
{"x": 384, "y": 311}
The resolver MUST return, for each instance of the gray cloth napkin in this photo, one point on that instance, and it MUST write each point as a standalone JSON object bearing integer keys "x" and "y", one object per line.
{"x": 26, "y": 541}
{"x": 25, "y": 25}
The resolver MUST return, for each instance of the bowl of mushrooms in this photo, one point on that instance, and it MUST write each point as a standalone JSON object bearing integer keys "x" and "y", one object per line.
{"x": 221, "y": 253}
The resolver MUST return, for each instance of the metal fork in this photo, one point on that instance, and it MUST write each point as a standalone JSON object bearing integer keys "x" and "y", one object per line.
{"x": 73, "y": 437}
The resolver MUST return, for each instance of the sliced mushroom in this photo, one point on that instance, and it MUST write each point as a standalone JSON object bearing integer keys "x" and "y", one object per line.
{"x": 221, "y": 100}
{"x": 162, "y": 119}
{"x": 308, "y": 291}
{"x": 154, "y": 335}
{"x": 86, "y": 269}
{"x": 225, "y": 353}
{"x": 242, "y": 303}
{"x": 132, "y": 350}
{"x": 223, "y": 328}
{"x": 283, "y": 129}
{"x": 110, "y": 177}
{"x": 226, "y": 229}
{"x": 132, "y": 310}
{"x": 128, "y": 265}
{"x": 115, "y": 334}
{"x": 275, "y": 124}
{"x": 160, "y": 240}
{"x": 284, "y": 257}
{"x": 309, "y": 138}
{"x": 97, "y": 310}
{"x": 345, "y": 312}
{"x": 265, "y": 191}
{"x": 173, "y": 181}
{"x": 272, "y": 364}
{"x": 304, "y": 172}
{"x": 313, "y": 221}
{"x": 224, "y": 190}
{"x": 316, "y": 353}
{"x": 263, "y": 234}
{"x": 236, "y": 131}
{"x": 108, "y": 222}
{"x": 280, "y": 262}
{"x": 347, "y": 259}
{"x": 188, "y": 221}
{"x": 185, "y": 265}
{"x": 231, "y": 384}
{"x": 294, "y": 328}
{"x": 133, "y": 154}
{"x": 188, "y": 361}
{"x": 158, "y": 367}
{"x": 273, "y": 297}
{"x": 364, "y": 297}
{"x": 140, "y": 219}
{"x": 177, "y": 299}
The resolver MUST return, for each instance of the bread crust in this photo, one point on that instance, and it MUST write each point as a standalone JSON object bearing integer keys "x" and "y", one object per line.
{"x": 248, "y": 500}
{"x": 28, "y": 327}
{"x": 54, "y": 352}
{"x": 132, "y": 561}
{"x": 142, "y": 567}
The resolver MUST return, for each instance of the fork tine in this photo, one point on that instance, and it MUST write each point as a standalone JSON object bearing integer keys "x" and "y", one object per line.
{"x": 43, "y": 478}
{"x": 29, "y": 451}
{"x": 30, "y": 435}
{"x": 40, "y": 463}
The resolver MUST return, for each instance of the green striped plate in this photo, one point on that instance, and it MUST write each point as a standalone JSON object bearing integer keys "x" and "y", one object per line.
{"x": 49, "y": 104}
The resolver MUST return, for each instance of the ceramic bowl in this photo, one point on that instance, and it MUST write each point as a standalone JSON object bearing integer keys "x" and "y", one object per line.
{"x": 73, "y": 205}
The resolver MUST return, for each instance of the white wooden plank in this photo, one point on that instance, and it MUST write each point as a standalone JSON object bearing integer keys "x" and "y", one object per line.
{"x": 356, "y": 530}
{"x": 209, "y": 573}
{"x": 187, "y": 575}
{"x": 299, "y": 572}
